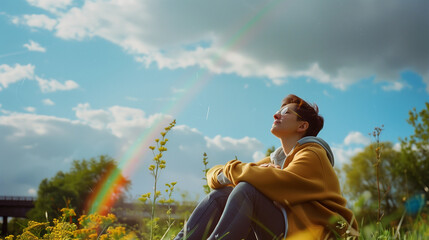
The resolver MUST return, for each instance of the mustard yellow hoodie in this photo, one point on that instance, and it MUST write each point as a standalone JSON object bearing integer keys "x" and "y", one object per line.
{"x": 306, "y": 186}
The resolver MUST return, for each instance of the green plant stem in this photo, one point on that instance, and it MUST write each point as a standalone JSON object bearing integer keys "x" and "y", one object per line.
{"x": 378, "y": 190}
{"x": 168, "y": 229}
{"x": 376, "y": 134}
{"x": 152, "y": 215}
{"x": 155, "y": 170}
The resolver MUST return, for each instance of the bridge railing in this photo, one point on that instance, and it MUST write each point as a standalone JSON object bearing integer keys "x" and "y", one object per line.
{"x": 17, "y": 198}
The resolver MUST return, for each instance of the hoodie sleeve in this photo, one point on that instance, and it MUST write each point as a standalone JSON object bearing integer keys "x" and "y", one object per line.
{"x": 212, "y": 177}
{"x": 214, "y": 172}
{"x": 264, "y": 160}
{"x": 304, "y": 179}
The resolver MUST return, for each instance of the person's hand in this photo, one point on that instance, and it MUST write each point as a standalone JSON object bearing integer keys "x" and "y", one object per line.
{"x": 269, "y": 165}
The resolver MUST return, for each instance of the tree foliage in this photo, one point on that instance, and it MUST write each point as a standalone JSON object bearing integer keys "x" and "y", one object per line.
{"x": 269, "y": 151}
{"x": 72, "y": 189}
{"x": 403, "y": 173}
{"x": 361, "y": 180}
{"x": 415, "y": 150}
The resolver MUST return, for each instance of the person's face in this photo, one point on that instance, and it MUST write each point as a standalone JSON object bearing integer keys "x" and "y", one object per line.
{"x": 287, "y": 121}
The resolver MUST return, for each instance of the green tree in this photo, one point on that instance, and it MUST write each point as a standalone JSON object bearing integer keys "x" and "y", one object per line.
{"x": 269, "y": 151}
{"x": 415, "y": 153}
{"x": 403, "y": 174}
{"x": 72, "y": 189}
{"x": 361, "y": 181}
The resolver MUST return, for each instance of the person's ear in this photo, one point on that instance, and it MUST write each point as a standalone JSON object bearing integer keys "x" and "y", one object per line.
{"x": 303, "y": 126}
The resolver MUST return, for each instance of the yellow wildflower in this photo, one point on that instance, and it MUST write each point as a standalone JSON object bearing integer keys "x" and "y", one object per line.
{"x": 152, "y": 167}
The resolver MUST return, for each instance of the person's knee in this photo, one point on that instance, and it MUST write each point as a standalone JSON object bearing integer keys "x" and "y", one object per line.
{"x": 220, "y": 194}
{"x": 245, "y": 187}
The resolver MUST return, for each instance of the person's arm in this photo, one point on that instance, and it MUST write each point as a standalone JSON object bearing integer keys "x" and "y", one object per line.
{"x": 223, "y": 180}
{"x": 216, "y": 178}
{"x": 212, "y": 175}
{"x": 304, "y": 179}
{"x": 263, "y": 161}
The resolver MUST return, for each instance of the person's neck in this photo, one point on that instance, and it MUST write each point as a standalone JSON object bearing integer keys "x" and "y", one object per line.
{"x": 289, "y": 143}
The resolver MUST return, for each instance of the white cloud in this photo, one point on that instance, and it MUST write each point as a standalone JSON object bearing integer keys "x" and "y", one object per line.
{"x": 353, "y": 143}
{"x": 32, "y": 192}
{"x": 121, "y": 121}
{"x": 36, "y": 146}
{"x": 226, "y": 143}
{"x": 338, "y": 50}
{"x": 30, "y": 109}
{"x": 9, "y": 75}
{"x": 356, "y": 138}
{"x": 25, "y": 125}
{"x": 278, "y": 81}
{"x": 127, "y": 121}
{"x": 343, "y": 154}
{"x": 185, "y": 128}
{"x": 34, "y": 46}
{"x": 326, "y": 93}
{"x": 95, "y": 118}
{"x": 395, "y": 86}
{"x": 53, "y": 85}
{"x": 2, "y": 110}
{"x": 258, "y": 155}
{"x": 36, "y": 21}
{"x": 48, "y": 102}
{"x": 50, "y": 5}
{"x": 397, "y": 146}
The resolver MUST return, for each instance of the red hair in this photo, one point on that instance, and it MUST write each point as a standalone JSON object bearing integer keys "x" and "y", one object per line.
{"x": 307, "y": 112}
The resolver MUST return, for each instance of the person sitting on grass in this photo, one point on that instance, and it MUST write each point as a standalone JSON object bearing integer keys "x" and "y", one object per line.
{"x": 294, "y": 193}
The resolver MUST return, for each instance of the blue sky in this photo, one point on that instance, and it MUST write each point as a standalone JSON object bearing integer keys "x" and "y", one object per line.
{"x": 84, "y": 78}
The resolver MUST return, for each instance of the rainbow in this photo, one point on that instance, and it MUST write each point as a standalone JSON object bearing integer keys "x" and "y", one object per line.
{"x": 105, "y": 194}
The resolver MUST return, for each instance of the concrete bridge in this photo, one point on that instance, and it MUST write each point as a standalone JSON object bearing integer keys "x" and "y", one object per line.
{"x": 14, "y": 207}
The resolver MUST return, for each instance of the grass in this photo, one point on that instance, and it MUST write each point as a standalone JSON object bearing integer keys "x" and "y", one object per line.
{"x": 95, "y": 226}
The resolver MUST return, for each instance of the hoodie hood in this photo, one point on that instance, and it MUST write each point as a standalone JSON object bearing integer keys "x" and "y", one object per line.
{"x": 321, "y": 142}
{"x": 278, "y": 156}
